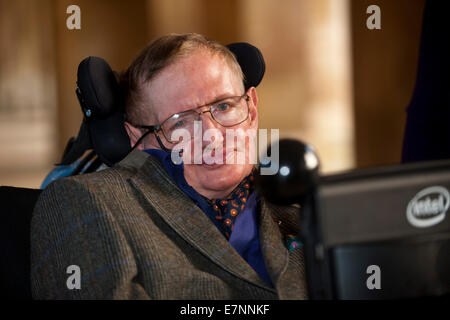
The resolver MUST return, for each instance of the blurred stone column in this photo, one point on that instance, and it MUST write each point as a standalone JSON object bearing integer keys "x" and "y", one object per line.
{"x": 307, "y": 89}
{"x": 216, "y": 19}
{"x": 174, "y": 16}
{"x": 27, "y": 92}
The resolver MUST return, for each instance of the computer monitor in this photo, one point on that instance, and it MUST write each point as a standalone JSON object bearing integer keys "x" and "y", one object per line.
{"x": 379, "y": 233}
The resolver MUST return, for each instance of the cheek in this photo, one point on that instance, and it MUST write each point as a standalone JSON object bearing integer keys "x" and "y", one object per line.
{"x": 244, "y": 137}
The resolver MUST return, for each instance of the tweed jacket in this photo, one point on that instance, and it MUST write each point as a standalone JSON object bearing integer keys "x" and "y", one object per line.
{"x": 134, "y": 234}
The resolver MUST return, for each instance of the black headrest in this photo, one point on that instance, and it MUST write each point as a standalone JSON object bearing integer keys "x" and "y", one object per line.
{"x": 251, "y": 61}
{"x": 101, "y": 102}
{"x": 98, "y": 85}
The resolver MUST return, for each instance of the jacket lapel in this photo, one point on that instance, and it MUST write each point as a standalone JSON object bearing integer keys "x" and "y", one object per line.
{"x": 189, "y": 221}
{"x": 271, "y": 242}
{"x": 286, "y": 269}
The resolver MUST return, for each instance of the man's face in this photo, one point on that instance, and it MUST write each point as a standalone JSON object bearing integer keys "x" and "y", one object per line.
{"x": 193, "y": 81}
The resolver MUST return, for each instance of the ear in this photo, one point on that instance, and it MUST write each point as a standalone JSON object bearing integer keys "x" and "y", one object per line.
{"x": 253, "y": 107}
{"x": 134, "y": 134}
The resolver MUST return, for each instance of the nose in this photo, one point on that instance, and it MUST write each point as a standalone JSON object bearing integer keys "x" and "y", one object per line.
{"x": 207, "y": 121}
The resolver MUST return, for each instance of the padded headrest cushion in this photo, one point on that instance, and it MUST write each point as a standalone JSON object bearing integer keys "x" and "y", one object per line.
{"x": 101, "y": 100}
{"x": 251, "y": 61}
{"x": 99, "y": 88}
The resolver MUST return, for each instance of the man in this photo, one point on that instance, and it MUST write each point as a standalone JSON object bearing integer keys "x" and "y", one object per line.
{"x": 152, "y": 228}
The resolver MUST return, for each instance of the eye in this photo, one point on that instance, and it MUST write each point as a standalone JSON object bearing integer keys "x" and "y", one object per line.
{"x": 223, "y": 106}
{"x": 178, "y": 124}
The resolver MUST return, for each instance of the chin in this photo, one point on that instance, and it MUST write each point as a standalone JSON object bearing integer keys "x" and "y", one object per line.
{"x": 217, "y": 177}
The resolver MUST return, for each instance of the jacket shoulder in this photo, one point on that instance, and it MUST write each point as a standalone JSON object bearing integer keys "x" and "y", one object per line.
{"x": 110, "y": 177}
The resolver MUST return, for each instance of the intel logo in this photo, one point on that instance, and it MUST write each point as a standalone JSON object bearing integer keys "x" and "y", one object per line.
{"x": 428, "y": 207}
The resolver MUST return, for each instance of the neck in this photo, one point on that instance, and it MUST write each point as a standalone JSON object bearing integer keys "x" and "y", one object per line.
{"x": 216, "y": 194}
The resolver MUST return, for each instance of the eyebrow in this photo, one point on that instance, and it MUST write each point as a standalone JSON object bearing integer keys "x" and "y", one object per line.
{"x": 221, "y": 97}
{"x": 216, "y": 99}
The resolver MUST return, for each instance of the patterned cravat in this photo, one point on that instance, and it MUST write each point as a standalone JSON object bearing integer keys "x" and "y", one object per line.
{"x": 227, "y": 210}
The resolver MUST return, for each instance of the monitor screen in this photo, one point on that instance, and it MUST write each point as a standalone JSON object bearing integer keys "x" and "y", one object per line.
{"x": 380, "y": 233}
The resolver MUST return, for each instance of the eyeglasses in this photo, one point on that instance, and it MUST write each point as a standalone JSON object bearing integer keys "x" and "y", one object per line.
{"x": 227, "y": 112}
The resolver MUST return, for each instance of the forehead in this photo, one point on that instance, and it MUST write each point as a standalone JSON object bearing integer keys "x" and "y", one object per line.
{"x": 189, "y": 82}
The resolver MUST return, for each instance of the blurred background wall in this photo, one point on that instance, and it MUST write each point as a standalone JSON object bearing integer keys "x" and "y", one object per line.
{"x": 329, "y": 80}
